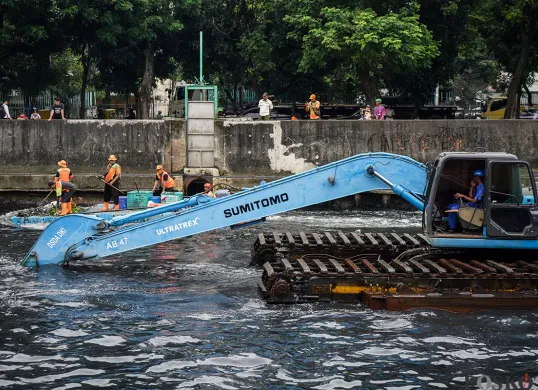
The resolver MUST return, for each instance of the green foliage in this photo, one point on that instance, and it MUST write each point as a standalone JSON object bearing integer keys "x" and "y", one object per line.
{"x": 330, "y": 47}
{"x": 356, "y": 41}
{"x": 67, "y": 71}
{"x": 75, "y": 210}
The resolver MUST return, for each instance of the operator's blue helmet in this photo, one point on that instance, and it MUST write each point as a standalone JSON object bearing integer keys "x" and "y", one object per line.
{"x": 479, "y": 173}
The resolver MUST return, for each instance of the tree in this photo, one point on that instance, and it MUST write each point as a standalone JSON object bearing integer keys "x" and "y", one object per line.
{"x": 28, "y": 36}
{"x": 353, "y": 42}
{"x": 510, "y": 30}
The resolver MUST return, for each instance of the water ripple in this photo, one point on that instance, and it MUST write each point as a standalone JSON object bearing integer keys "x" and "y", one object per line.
{"x": 188, "y": 316}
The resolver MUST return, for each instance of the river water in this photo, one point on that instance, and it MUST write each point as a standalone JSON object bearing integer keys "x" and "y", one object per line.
{"x": 186, "y": 314}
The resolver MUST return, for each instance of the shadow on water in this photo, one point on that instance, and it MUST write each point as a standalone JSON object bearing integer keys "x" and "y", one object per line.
{"x": 186, "y": 314}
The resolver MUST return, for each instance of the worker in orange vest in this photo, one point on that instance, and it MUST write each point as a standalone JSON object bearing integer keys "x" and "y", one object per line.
{"x": 64, "y": 174}
{"x": 313, "y": 107}
{"x": 112, "y": 178}
{"x": 163, "y": 181}
{"x": 64, "y": 193}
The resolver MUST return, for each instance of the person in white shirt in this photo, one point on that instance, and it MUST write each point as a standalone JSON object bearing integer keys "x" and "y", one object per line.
{"x": 4, "y": 110}
{"x": 265, "y": 108}
{"x": 35, "y": 115}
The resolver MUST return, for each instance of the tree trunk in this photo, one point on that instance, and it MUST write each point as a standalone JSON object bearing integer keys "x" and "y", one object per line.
{"x": 527, "y": 36}
{"x": 369, "y": 88}
{"x": 107, "y": 95}
{"x": 144, "y": 91}
{"x": 518, "y": 104}
{"x": 256, "y": 87}
{"x": 85, "y": 72}
{"x": 231, "y": 98}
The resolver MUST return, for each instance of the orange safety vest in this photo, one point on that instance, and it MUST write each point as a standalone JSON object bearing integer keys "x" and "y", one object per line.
{"x": 64, "y": 173}
{"x": 112, "y": 171}
{"x": 169, "y": 183}
{"x": 313, "y": 110}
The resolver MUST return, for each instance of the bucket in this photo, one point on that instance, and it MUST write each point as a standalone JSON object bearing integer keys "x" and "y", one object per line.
{"x": 123, "y": 203}
{"x": 155, "y": 199}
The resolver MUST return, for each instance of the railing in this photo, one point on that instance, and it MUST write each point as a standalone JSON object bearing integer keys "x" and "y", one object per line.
{"x": 43, "y": 101}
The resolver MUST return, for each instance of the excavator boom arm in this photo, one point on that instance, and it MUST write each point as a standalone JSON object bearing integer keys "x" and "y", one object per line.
{"x": 78, "y": 237}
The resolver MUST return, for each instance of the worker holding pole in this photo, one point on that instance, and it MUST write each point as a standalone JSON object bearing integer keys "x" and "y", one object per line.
{"x": 64, "y": 193}
{"x": 112, "y": 177}
{"x": 64, "y": 189}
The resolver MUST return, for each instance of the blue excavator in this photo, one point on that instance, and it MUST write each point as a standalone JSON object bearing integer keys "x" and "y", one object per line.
{"x": 488, "y": 263}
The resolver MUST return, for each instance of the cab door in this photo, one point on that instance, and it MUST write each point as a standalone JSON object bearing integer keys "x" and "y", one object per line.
{"x": 510, "y": 198}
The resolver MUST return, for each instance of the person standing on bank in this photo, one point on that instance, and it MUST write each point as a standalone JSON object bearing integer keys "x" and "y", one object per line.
{"x": 57, "y": 111}
{"x": 4, "y": 110}
{"x": 112, "y": 178}
{"x": 163, "y": 182}
{"x": 35, "y": 115}
{"x": 265, "y": 107}
{"x": 379, "y": 110}
{"x": 313, "y": 107}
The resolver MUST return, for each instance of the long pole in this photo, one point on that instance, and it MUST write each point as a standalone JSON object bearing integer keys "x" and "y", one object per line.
{"x": 201, "y": 57}
{"x": 108, "y": 184}
{"x": 43, "y": 201}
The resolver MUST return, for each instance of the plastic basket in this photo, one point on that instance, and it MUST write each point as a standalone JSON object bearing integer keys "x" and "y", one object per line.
{"x": 155, "y": 199}
{"x": 170, "y": 199}
{"x": 138, "y": 199}
{"x": 176, "y": 193}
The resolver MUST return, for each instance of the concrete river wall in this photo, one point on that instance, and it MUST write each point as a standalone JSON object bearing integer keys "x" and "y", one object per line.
{"x": 245, "y": 152}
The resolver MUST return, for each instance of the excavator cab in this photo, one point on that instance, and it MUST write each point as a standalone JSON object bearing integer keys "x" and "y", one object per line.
{"x": 507, "y": 210}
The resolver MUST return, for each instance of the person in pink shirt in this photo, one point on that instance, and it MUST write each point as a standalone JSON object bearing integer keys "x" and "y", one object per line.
{"x": 379, "y": 110}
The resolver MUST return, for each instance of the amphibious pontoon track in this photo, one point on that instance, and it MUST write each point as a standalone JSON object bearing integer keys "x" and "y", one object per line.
{"x": 388, "y": 271}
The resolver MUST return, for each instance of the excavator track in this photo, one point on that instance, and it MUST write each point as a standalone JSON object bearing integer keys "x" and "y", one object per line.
{"x": 388, "y": 245}
{"x": 390, "y": 272}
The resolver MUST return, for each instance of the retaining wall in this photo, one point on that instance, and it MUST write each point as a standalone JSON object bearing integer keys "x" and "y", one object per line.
{"x": 245, "y": 152}
{"x": 286, "y": 147}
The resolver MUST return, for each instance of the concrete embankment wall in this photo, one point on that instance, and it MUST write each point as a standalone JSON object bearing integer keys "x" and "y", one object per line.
{"x": 30, "y": 150}
{"x": 245, "y": 152}
{"x": 292, "y": 146}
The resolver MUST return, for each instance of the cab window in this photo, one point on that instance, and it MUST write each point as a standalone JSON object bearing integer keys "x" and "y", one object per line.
{"x": 511, "y": 184}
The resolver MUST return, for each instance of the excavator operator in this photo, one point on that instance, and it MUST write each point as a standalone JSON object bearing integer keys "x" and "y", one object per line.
{"x": 474, "y": 199}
